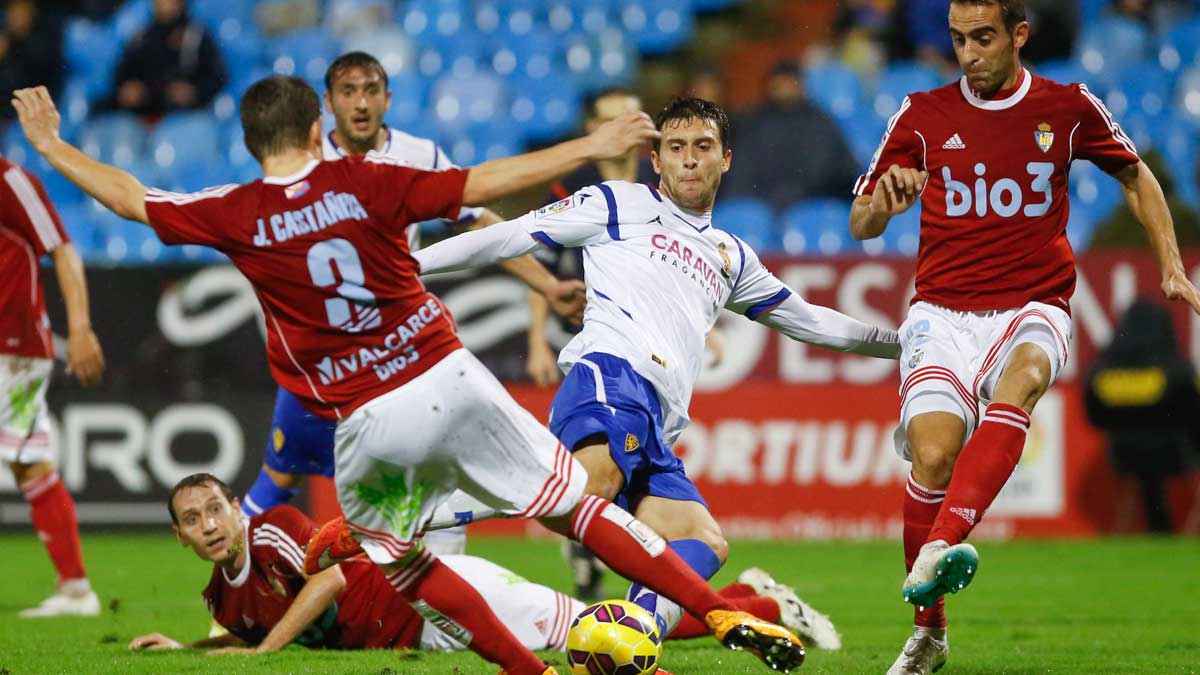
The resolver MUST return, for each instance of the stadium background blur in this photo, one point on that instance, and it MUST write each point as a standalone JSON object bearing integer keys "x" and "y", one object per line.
{"x": 788, "y": 443}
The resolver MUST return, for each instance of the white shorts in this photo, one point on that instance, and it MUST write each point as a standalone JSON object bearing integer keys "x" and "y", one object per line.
{"x": 538, "y": 616}
{"x": 402, "y": 454}
{"x": 950, "y": 361}
{"x": 24, "y": 419}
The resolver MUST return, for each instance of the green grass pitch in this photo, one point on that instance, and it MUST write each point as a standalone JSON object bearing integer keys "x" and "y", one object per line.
{"x": 1115, "y": 606}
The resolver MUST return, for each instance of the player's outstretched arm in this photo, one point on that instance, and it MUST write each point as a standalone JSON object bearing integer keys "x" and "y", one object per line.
{"x": 85, "y": 360}
{"x": 477, "y": 248}
{"x": 155, "y": 641}
{"x": 895, "y": 192}
{"x": 1149, "y": 205}
{"x": 825, "y": 327}
{"x": 502, "y": 177}
{"x": 117, "y": 190}
{"x": 565, "y": 297}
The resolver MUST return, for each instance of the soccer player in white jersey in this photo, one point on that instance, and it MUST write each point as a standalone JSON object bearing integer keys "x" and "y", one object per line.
{"x": 301, "y": 443}
{"x": 659, "y": 272}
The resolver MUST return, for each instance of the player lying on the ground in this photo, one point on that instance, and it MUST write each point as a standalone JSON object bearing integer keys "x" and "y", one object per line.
{"x": 260, "y": 594}
{"x": 354, "y": 333}
{"x": 659, "y": 272}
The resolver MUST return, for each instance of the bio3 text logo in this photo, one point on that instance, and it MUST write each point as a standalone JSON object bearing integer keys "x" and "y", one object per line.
{"x": 1005, "y": 197}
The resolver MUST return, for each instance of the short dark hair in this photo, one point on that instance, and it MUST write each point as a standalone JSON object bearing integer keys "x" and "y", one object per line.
{"x": 686, "y": 108}
{"x": 1012, "y": 12}
{"x": 353, "y": 60}
{"x": 277, "y": 114}
{"x": 196, "y": 480}
{"x": 593, "y": 100}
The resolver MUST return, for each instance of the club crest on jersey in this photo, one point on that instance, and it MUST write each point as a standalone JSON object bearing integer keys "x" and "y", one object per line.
{"x": 726, "y": 263}
{"x": 296, "y": 190}
{"x": 277, "y": 439}
{"x": 1044, "y": 136}
{"x": 557, "y": 207}
{"x": 631, "y": 443}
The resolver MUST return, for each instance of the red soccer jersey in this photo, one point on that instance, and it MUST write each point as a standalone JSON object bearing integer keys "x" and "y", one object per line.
{"x": 367, "y": 614}
{"x": 325, "y": 249}
{"x": 994, "y": 212}
{"x": 29, "y": 229}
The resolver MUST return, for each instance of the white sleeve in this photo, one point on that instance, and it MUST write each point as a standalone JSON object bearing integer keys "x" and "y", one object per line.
{"x": 762, "y": 297}
{"x": 476, "y": 248}
{"x": 585, "y": 218}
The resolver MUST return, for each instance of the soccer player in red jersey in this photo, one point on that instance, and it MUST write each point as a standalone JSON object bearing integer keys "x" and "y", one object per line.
{"x": 988, "y": 158}
{"x": 29, "y": 229}
{"x": 355, "y": 336}
{"x": 259, "y": 592}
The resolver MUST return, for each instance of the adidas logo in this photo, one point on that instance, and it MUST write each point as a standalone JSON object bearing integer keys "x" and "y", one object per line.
{"x": 966, "y": 514}
{"x": 955, "y": 143}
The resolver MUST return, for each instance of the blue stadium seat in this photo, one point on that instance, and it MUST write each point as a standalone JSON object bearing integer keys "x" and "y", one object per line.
{"x": 305, "y": 53}
{"x": 864, "y": 133}
{"x": 92, "y": 51}
{"x": 1062, "y": 71}
{"x": 818, "y": 227}
{"x": 185, "y": 138}
{"x": 437, "y": 57}
{"x": 131, "y": 18}
{"x": 547, "y": 108}
{"x": 215, "y": 13}
{"x": 239, "y": 82}
{"x": 195, "y": 176}
{"x": 18, "y": 150}
{"x": 1082, "y": 223}
{"x": 899, "y": 80}
{"x": 1142, "y": 87}
{"x": 1111, "y": 43}
{"x": 424, "y": 18}
{"x": 901, "y": 238}
{"x": 1092, "y": 189}
{"x": 714, "y": 5}
{"x": 601, "y": 60}
{"x": 114, "y": 138}
{"x": 1176, "y": 140}
{"x": 409, "y": 92}
{"x": 61, "y": 191}
{"x": 1187, "y": 94}
{"x": 658, "y": 26}
{"x": 596, "y": 16}
{"x": 391, "y": 45}
{"x": 748, "y": 218}
{"x": 835, "y": 87}
{"x": 459, "y": 101}
{"x": 1180, "y": 47}
{"x": 81, "y": 230}
{"x": 501, "y": 138}
{"x": 128, "y": 243}
{"x": 536, "y": 56}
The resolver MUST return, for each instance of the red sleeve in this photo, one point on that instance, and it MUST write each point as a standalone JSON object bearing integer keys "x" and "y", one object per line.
{"x": 406, "y": 195}
{"x": 1099, "y": 139}
{"x": 287, "y": 530}
{"x": 29, "y": 211}
{"x": 194, "y": 218}
{"x": 901, "y": 145}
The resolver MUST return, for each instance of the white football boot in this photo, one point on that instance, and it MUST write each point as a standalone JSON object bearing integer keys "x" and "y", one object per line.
{"x": 72, "y": 599}
{"x": 924, "y": 653}
{"x": 813, "y": 627}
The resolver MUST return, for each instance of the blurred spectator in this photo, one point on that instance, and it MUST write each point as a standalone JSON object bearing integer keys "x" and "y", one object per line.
{"x": 707, "y": 82}
{"x": 1122, "y": 229}
{"x": 1053, "y": 26}
{"x": 1133, "y": 9}
{"x": 862, "y": 30}
{"x": 173, "y": 64}
{"x": 31, "y": 48}
{"x": 1142, "y": 393}
{"x": 808, "y": 155}
{"x": 276, "y": 17}
{"x": 343, "y": 17}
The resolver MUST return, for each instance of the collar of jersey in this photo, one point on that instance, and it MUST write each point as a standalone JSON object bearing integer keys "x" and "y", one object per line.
{"x": 998, "y": 104}
{"x": 245, "y": 573}
{"x": 697, "y": 223}
{"x": 288, "y": 180}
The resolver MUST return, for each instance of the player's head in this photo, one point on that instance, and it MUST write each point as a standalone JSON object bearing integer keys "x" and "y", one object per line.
{"x": 166, "y": 11}
{"x": 988, "y": 36}
{"x": 609, "y": 104}
{"x": 693, "y": 151}
{"x": 281, "y": 114}
{"x": 356, "y": 92}
{"x": 207, "y": 518}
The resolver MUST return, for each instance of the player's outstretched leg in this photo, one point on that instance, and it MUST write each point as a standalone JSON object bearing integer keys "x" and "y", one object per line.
{"x": 53, "y": 513}
{"x": 812, "y": 626}
{"x": 439, "y": 595}
{"x": 633, "y": 550}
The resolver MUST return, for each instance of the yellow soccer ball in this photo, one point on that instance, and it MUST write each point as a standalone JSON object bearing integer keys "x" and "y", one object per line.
{"x": 614, "y": 637}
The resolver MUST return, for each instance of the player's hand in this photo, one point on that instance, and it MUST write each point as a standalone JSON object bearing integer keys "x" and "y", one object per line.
{"x": 715, "y": 345}
{"x": 234, "y": 651}
{"x": 898, "y": 189}
{"x": 1176, "y": 286}
{"x": 85, "y": 360}
{"x": 621, "y": 135}
{"x": 153, "y": 641}
{"x": 542, "y": 367}
{"x": 39, "y": 118}
{"x": 568, "y": 299}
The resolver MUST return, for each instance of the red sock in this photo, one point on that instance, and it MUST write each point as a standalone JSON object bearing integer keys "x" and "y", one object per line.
{"x": 921, "y": 506}
{"x": 764, "y": 608}
{"x": 737, "y": 591}
{"x": 634, "y": 551}
{"x": 982, "y": 469}
{"x": 53, "y": 514}
{"x": 443, "y": 598}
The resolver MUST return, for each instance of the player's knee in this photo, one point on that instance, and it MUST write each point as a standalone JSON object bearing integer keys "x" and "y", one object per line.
{"x": 604, "y": 476}
{"x": 23, "y": 473}
{"x": 933, "y": 464}
{"x": 716, "y": 541}
{"x": 286, "y": 481}
{"x": 1025, "y": 379}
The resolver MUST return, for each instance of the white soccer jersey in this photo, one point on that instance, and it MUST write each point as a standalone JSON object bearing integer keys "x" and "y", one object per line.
{"x": 419, "y": 153}
{"x": 657, "y": 278}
